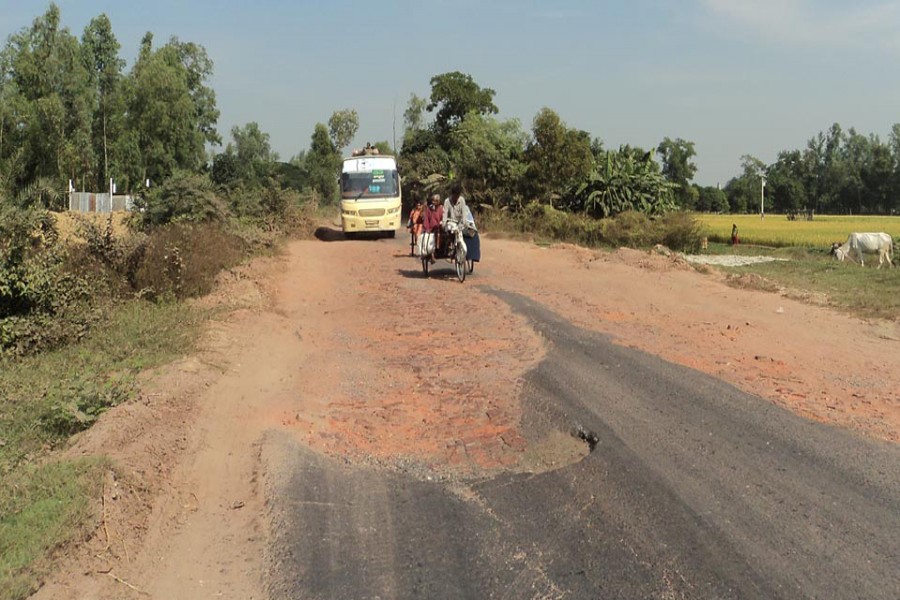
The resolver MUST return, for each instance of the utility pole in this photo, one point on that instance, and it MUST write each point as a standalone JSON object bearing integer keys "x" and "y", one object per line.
{"x": 762, "y": 197}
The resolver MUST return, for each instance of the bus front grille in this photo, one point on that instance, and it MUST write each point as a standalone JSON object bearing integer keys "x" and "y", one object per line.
{"x": 371, "y": 212}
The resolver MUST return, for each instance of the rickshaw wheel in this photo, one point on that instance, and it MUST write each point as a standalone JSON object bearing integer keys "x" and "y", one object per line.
{"x": 461, "y": 266}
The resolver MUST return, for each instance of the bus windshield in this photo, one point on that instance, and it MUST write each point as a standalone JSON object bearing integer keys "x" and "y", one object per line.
{"x": 378, "y": 183}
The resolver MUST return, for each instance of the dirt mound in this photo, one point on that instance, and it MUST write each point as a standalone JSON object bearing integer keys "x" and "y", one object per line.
{"x": 146, "y": 439}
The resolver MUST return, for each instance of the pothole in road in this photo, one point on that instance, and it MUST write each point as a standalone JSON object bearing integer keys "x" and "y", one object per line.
{"x": 587, "y": 436}
{"x": 554, "y": 451}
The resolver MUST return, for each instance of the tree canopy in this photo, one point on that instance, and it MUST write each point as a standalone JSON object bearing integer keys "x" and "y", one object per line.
{"x": 678, "y": 168}
{"x": 453, "y": 96}
{"x": 71, "y": 110}
{"x": 557, "y": 156}
{"x": 342, "y": 126}
{"x": 68, "y": 111}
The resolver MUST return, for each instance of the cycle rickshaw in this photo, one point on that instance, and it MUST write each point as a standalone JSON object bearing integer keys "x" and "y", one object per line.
{"x": 463, "y": 249}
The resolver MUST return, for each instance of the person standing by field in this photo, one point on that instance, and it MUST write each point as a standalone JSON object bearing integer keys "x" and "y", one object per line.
{"x": 735, "y": 240}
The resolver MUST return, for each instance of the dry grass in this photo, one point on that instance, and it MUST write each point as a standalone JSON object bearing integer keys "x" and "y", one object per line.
{"x": 67, "y": 223}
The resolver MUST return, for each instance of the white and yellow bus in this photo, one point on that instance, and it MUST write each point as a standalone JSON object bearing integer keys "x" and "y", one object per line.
{"x": 370, "y": 194}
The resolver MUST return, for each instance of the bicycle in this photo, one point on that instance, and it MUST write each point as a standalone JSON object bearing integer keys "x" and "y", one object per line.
{"x": 455, "y": 253}
{"x": 457, "y": 250}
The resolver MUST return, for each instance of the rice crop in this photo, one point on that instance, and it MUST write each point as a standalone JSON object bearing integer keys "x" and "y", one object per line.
{"x": 777, "y": 231}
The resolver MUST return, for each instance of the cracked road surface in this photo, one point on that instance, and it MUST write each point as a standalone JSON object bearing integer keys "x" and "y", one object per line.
{"x": 666, "y": 483}
{"x": 567, "y": 423}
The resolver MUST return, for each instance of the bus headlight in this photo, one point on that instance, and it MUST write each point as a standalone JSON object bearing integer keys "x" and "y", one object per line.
{"x": 392, "y": 211}
{"x": 348, "y": 213}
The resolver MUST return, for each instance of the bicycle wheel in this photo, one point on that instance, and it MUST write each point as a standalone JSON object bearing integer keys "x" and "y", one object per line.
{"x": 461, "y": 263}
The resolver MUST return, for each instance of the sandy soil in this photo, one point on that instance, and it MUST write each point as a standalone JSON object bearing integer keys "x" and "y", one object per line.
{"x": 345, "y": 346}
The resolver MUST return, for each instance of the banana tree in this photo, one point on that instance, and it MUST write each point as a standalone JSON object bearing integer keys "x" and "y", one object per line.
{"x": 626, "y": 182}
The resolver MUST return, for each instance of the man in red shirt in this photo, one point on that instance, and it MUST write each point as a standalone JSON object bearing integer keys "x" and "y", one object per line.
{"x": 431, "y": 221}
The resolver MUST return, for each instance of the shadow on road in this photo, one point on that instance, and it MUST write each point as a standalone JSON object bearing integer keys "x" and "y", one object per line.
{"x": 330, "y": 234}
{"x": 437, "y": 272}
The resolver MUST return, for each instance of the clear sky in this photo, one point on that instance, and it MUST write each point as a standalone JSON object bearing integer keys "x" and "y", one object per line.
{"x": 733, "y": 76}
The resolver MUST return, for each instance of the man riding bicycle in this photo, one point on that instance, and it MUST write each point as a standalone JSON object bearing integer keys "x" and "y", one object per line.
{"x": 454, "y": 208}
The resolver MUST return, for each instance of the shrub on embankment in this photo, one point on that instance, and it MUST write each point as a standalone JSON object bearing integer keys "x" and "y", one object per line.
{"x": 52, "y": 290}
{"x": 81, "y": 314}
{"x": 676, "y": 229}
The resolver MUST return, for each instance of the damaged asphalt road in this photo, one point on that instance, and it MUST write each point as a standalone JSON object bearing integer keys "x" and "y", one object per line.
{"x": 692, "y": 489}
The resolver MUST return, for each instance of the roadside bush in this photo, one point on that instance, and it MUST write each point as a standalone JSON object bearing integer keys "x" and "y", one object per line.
{"x": 630, "y": 229}
{"x": 24, "y": 335}
{"x": 184, "y": 197}
{"x": 42, "y": 303}
{"x": 491, "y": 219}
{"x": 677, "y": 230}
{"x": 181, "y": 260}
{"x": 109, "y": 260}
{"x": 299, "y": 218}
{"x": 680, "y": 231}
{"x": 243, "y": 202}
{"x": 547, "y": 222}
{"x": 24, "y": 235}
{"x": 76, "y": 404}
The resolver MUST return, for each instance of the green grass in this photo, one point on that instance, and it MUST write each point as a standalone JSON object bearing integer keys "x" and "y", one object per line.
{"x": 41, "y": 508}
{"x": 862, "y": 291}
{"x": 47, "y": 397}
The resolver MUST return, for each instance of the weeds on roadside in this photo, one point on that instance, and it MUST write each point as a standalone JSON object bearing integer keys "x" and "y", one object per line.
{"x": 60, "y": 370}
{"x": 676, "y": 230}
{"x": 865, "y": 292}
{"x": 45, "y": 398}
{"x": 42, "y": 507}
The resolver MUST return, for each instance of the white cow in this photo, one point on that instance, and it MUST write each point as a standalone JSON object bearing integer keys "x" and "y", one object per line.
{"x": 865, "y": 243}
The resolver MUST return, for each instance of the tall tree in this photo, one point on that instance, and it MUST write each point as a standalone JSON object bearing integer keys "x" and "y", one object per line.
{"x": 854, "y": 153}
{"x": 171, "y": 113}
{"x": 744, "y": 192}
{"x": 488, "y": 155}
{"x": 833, "y": 169}
{"x": 252, "y": 145}
{"x": 45, "y": 67}
{"x": 557, "y": 156}
{"x": 199, "y": 69}
{"x": 785, "y": 183}
{"x": 342, "y": 126}
{"x": 100, "y": 50}
{"x": 712, "y": 199}
{"x": 248, "y": 158}
{"x": 878, "y": 175}
{"x": 454, "y": 95}
{"x": 414, "y": 115}
{"x": 13, "y": 111}
{"x": 322, "y": 163}
{"x": 678, "y": 168}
